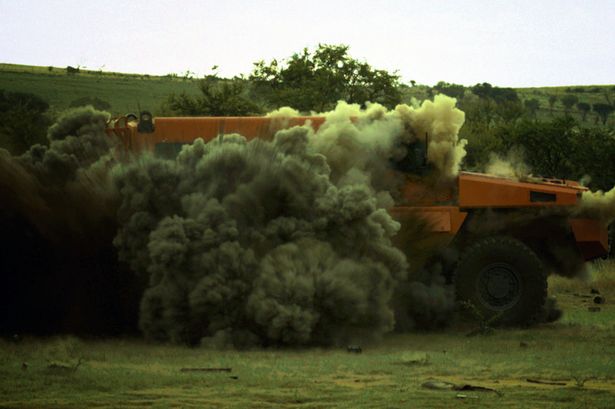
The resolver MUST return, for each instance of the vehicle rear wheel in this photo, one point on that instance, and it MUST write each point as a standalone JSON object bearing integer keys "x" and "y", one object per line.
{"x": 503, "y": 280}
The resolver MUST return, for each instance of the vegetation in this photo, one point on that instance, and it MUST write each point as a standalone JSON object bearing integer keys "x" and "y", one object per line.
{"x": 219, "y": 97}
{"x": 557, "y": 148}
{"x": 23, "y": 121}
{"x": 119, "y": 373}
{"x": 124, "y": 92}
{"x": 498, "y": 120}
{"x": 603, "y": 111}
{"x": 569, "y": 101}
{"x": 316, "y": 81}
{"x": 132, "y": 92}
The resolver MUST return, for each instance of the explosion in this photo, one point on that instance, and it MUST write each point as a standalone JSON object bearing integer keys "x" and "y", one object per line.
{"x": 263, "y": 242}
{"x": 283, "y": 242}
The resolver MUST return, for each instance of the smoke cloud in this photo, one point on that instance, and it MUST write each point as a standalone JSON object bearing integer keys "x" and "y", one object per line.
{"x": 253, "y": 239}
{"x": 440, "y": 121}
{"x": 283, "y": 242}
{"x": 598, "y": 205}
{"x": 57, "y": 217}
{"x": 512, "y": 166}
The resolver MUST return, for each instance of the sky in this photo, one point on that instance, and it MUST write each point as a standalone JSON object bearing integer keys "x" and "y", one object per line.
{"x": 506, "y": 43}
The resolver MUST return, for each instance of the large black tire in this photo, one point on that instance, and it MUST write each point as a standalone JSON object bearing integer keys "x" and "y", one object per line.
{"x": 503, "y": 280}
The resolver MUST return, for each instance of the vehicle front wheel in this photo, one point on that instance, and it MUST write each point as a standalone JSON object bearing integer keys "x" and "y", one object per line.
{"x": 503, "y": 280}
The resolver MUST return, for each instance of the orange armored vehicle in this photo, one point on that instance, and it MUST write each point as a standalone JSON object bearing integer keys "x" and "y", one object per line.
{"x": 497, "y": 239}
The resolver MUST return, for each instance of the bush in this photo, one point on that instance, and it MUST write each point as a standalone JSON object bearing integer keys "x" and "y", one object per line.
{"x": 561, "y": 148}
{"x": 218, "y": 98}
{"x": 23, "y": 121}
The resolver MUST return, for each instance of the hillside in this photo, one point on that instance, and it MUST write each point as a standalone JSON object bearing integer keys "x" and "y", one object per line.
{"x": 129, "y": 92}
{"x": 125, "y": 92}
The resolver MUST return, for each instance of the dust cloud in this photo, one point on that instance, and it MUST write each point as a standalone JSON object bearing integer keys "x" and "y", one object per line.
{"x": 252, "y": 241}
{"x": 58, "y": 220}
{"x": 599, "y": 205}
{"x": 281, "y": 242}
{"x": 511, "y": 166}
{"x": 285, "y": 242}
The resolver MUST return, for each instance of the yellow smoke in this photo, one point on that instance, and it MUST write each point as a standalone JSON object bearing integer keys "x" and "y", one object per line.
{"x": 599, "y": 205}
{"x": 512, "y": 166}
{"x": 283, "y": 112}
{"x": 352, "y": 136}
{"x": 440, "y": 121}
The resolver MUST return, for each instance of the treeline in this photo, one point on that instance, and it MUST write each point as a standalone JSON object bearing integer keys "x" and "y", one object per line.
{"x": 560, "y": 134}
{"x": 499, "y": 121}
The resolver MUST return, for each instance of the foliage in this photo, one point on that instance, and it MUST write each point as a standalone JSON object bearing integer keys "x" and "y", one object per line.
{"x": 532, "y": 105}
{"x": 569, "y": 100}
{"x": 557, "y": 148}
{"x": 482, "y": 142}
{"x": 497, "y": 94}
{"x": 510, "y": 110}
{"x": 493, "y": 104}
{"x": 125, "y": 92}
{"x": 316, "y": 81}
{"x": 584, "y": 108}
{"x": 23, "y": 121}
{"x": 561, "y": 148}
{"x": 450, "y": 89}
{"x": 552, "y": 101}
{"x": 219, "y": 97}
{"x": 603, "y": 111}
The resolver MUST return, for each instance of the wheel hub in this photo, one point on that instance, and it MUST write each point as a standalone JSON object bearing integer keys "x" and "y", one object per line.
{"x": 499, "y": 286}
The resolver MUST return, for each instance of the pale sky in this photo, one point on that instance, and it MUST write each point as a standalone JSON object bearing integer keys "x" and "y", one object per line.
{"x": 507, "y": 43}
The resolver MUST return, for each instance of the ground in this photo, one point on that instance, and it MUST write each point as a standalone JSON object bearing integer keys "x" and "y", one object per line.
{"x": 577, "y": 353}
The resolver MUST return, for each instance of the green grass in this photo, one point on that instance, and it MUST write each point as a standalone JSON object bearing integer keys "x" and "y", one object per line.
{"x": 128, "y": 92}
{"x": 125, "y": 92}
{"x": 579, "y": 350}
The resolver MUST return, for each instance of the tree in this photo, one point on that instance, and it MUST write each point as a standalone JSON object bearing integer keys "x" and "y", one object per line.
{"x": 452, "y": 90}
{"x": 593, "y": 153}
{"x": 23, "y": 121}
{"x": 72, "y": 70}
{"x": 584, "y": 108}
{"x": 545, "y": 145}
{"x": 504, "y": 102}
{"x": 569, "y": 100}
{"x": 552, "y": 101}
{"x": 603, "y": 111}
{"x": 497, "y": 94}
{"x": 532, "y": 105}
{"x": 562, "y": 148}
{"x": 219, "y": 97}
{"x": 316, "y": 81}
{"x": 509, "y": 111}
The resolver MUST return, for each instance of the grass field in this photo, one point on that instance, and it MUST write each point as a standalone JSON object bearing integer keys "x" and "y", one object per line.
{"x": 128, "y": 92}
{"x": 577, "y": 353}
{"x": 125, "y": 92}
